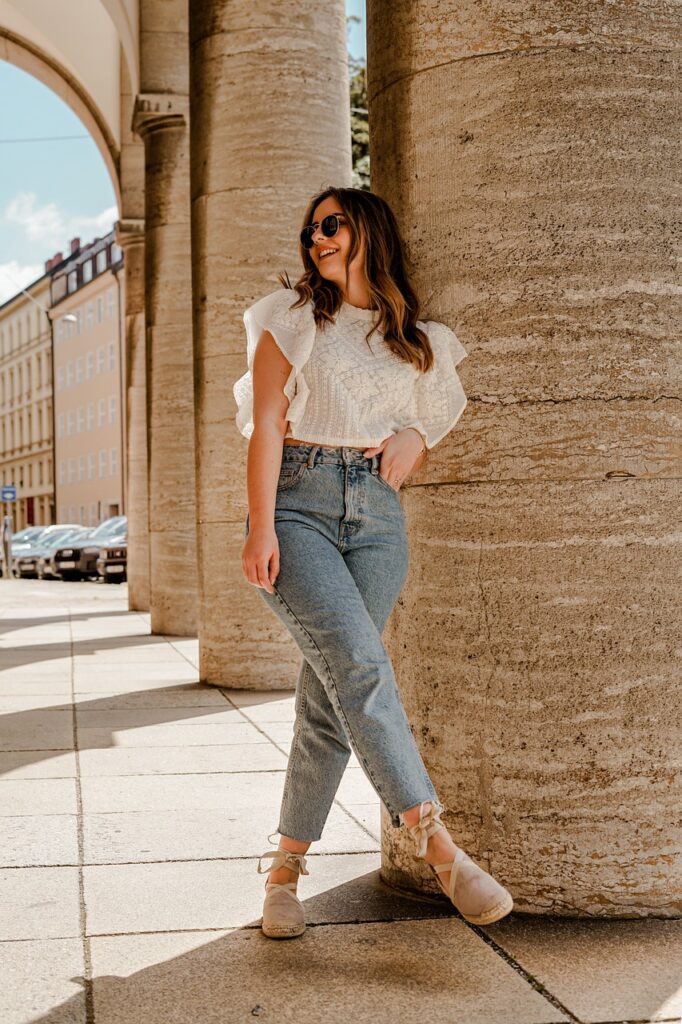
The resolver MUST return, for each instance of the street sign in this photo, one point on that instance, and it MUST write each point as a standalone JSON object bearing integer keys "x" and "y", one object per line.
{"x": 9, "y": 493}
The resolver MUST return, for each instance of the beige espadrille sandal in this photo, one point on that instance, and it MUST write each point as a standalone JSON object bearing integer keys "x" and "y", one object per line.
{"x": 283, "y": 914}
{"x": 472, "y": 891}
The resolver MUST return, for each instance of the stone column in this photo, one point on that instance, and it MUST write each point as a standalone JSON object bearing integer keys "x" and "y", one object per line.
{"x": 270, "y": 127}
{"x": 162, "y": 122}
{"x": 130, "y": 237}
{"x": 537, "y": 641}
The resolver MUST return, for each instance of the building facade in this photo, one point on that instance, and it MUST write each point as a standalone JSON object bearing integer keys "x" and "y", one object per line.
{"x": 89, "y": 372}
{"x": 26, "y": 405}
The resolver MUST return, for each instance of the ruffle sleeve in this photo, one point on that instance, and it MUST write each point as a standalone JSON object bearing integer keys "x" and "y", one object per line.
{"x": 294, "y": 332}
{"x": 438, "y": 398}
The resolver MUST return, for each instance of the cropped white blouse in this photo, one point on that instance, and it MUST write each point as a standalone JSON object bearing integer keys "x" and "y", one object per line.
{"x": 343, "y": 390}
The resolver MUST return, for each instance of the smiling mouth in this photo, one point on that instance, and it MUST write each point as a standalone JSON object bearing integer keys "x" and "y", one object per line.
{"x": 329, "y": 254}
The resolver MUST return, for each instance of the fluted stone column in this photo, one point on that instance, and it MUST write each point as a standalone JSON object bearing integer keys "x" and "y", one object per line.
{"x": 527, "y": 153}
{"x": 162, "y": 121}
{"x": 270, "y": 127}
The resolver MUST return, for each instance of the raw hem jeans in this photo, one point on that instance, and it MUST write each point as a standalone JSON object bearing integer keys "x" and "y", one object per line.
{"x": 343, "y": 562}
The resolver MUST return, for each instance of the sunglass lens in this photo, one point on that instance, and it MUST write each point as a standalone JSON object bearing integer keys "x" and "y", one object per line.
{"x": 330, "y": 225}
{"x": 307, "y": 237}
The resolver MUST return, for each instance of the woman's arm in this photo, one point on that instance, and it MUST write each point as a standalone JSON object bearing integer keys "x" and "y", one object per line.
{"x": 260, "y": 556}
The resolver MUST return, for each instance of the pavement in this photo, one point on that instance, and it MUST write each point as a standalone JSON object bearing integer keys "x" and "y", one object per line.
{"x": 134, "y": 803}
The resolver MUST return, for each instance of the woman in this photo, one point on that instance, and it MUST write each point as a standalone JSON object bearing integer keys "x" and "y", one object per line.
{"x": 345, "y": 390}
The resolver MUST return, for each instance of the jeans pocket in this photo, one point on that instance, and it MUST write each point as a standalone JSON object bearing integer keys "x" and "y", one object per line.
{"x": 290, "y": 474}
{"x": 385, "y": 483}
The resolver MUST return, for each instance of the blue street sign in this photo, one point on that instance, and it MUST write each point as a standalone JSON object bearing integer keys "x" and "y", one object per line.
{"x": 9, "y": 493}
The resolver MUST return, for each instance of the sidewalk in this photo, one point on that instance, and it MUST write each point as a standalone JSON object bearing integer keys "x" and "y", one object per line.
{"x": 134, "y": 804}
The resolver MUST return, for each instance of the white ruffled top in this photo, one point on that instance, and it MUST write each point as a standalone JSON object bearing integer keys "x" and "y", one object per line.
{"x": 344, "y": 390}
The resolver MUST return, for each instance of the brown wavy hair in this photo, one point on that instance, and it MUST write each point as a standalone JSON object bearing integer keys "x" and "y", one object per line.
{"x": 390, "y": 289}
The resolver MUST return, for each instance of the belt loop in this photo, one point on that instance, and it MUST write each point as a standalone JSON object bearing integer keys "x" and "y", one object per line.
{"x": 311, "y": 455}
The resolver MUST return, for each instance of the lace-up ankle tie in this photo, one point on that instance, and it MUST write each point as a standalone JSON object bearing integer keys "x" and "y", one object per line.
{"x": 428, "y": 824}
{"x": 283, "y": 859}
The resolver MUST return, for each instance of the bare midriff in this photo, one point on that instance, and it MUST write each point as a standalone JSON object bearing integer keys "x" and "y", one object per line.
{"x": 295, "y": 440}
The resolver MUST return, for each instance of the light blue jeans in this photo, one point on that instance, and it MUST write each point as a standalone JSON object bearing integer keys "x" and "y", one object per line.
{"x": 343, "y": 562}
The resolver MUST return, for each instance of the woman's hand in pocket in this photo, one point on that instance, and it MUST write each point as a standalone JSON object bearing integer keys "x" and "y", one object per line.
{"x": 260, "y": 557}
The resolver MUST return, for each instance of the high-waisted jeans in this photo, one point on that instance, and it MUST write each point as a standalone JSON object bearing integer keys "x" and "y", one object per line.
{"x": 343, "y": 561}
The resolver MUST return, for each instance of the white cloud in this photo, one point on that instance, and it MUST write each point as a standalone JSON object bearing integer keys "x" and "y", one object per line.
{"x": 48, "y": 225}
{"x": 14, "y": 276}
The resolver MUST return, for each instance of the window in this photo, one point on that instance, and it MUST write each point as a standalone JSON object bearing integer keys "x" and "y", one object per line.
{"x": 81, "y": 420}
{"x": 69, "y": 374}
{"x": 79, "y": 370}
{"x": 72, "y": 281}
{"x": 81, "y": 467}
{"x": 101, "y": 412}
{"x": 89, "y": 314}
{"x": 70, "y": 422}
{"x": 40, "y": 472}
{"x": 101, "y": 260}
{"x": 112, "y": 408}
{"x": 60, "y": 425}
{"x": 112, "y": 355}
{"x": 113, "y": 461}
{"x": 60, "y": 378}
{"x": 91, "y": 415}
{"x": 100, "y": 309}
{"x": 87, "y": 271}
{"x": 93, "y": 514}
{"x": 102, "y": 463}
{"x": 72, "y": 470}
{"x": 101, "y": 358}
{"x": 90, "y": 365}
{"x": 91, "y": 466}
{"x": 111, "y": 302}
{"x": 59, "y": 331}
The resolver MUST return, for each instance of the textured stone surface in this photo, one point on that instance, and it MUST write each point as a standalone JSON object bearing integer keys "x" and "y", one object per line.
{"x": 39, "y": 903}
{"x": 639, "y": 964}
{"x": 169, "y": 357}
{"x": 537, "y": 639}
{"x": 43, "y": 980}
{"x": 371, "y": 973}
{"x": 270, "y": 126}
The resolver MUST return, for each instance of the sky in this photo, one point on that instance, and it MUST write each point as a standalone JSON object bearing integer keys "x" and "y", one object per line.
{"x": 53, "y": 189}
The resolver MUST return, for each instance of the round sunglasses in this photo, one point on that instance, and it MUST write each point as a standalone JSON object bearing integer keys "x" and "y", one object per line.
{"x": 328, "y": 226}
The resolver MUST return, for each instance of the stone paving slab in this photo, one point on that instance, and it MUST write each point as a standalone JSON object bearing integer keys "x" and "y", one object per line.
{"x": 171, "y": 760}
{"x": 183, "y": 895}
{"x": 601, "y": 970}
{"x": 39, "y": 903}
{"x": 134, "y": 679}
{"x": 172, "y": 735}
{"x": 238, "y": 792}
{"x": 432, "y": 972}
{"x": 37, "y": 796}
{"x": 31, "y": 764}
{"x": 37, "y": 730}
{"x": 43, "y": 979}
{"x": 203, "y": 835}
{"x": 38, "y": 840}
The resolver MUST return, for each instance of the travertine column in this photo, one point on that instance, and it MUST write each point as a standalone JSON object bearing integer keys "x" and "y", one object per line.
{"x": 162, "y": 121}
{"x": 527, "y": 153}
{"x": 130, "y": 237}
{"x": 270, "y": 127}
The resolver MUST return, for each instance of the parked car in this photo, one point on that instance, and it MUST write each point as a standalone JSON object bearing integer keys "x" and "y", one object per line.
{"x": 78, "y": 560}
{"x": 46, "y": 568}
{"x": 25, "y": 561}
{"x": 112, "y": 563}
